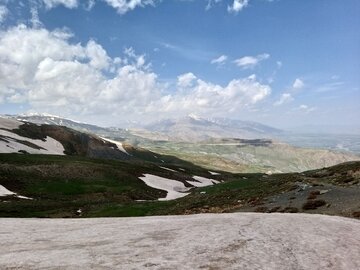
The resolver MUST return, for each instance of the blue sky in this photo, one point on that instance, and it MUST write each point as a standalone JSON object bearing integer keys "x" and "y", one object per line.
{"x": 281, "y": 62}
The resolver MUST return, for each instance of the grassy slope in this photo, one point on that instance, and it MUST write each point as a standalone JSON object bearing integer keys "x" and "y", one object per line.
{"x": 60, "y": 185}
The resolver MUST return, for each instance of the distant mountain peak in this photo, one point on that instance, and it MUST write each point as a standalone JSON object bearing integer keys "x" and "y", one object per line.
{"x": 193, "y": 127}
{"x": 40, "y": 114}
{"x": 47, "y": 115}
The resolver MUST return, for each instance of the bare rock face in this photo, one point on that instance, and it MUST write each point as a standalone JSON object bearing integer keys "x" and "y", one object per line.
{"x": 211, "y": 241}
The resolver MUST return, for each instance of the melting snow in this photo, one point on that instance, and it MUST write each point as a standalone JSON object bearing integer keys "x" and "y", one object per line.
{"x": 214, "y": 173}
{"x": 50, "y": 145}
{"x": 213, "y": 241}
{"x": 9, "y": 123}
{"x": 175, "y": 189}
{"x": 171, "y": 170}
{"x": 5, "y": 192}
{"x": 118, "y": 144}
{"x": 202, "y": 181}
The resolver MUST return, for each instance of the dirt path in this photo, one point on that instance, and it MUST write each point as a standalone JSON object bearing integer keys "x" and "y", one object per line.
{"x": 211, "y": 241}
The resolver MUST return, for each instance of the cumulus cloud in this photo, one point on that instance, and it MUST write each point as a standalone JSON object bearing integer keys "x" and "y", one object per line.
{"x": 248, "y": 62}
{"x": 207, "y": 98}
{"x": 238, "y": 5}
{"x": 285, "y": 98}
{"x": 220, "y": 60}
{"x": 186, "y": 80}
{"x": 49, "y": 73}
{"x": 290, "y": 93}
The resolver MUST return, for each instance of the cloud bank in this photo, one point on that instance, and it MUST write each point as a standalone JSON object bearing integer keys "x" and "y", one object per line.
{"x": 50, "y": 73}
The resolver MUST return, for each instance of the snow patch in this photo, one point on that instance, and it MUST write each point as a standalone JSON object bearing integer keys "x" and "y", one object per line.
{"x": 5, "y": 192}
{"x": 118, "y": 144}
{"x": 171, "y": 170}
{"x": 175, "y": 189}
{"x": 8, "y": 123}
{"x": 50, "y": 146}
{"x": 202, "y": 181}
{"x": 214, "y": 173}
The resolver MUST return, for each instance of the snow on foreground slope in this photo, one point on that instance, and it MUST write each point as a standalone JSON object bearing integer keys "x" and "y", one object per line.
{"x": 211, "y": 241}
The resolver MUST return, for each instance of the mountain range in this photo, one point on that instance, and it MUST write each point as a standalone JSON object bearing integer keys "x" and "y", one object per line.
{"x": 222, "y": 144}
{"x": 194, "y": 128}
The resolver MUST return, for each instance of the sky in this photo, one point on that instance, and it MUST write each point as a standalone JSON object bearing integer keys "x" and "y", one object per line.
{"x": 284, "y": 63}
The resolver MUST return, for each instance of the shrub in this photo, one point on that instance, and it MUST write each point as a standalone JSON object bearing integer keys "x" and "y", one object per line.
{"x": 313, "y": 204}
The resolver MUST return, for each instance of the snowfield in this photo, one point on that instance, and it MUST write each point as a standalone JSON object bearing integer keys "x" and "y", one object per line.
{"x": 5, "y": 192}
{"x": 175, "y": 189}
{"x": 9, "y": 123}
{"x": 212, "y": 241}
{"x": 12, "y": 144}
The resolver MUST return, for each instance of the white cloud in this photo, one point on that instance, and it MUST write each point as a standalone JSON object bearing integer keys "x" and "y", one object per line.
{"x": 67, "y": 3}
{"x": 248, "y": 62}
{"x": 211, "y": 3}
{"x": 220, "y": 60}
{"x": 285, "y": 98}
{"x": 306, "y": 109}
{"x": 90, "y": 4}
{"x": 49, "y": 73}
{"x": 298, "y": 84}
{"x": 186, "y": 80}
{"x": 238, "y": 5}
{"x": 97, "y": 55}
{"x": 123, "y": 6}
{"x": 207, "y": 98}
{"x": 3, "y": 13}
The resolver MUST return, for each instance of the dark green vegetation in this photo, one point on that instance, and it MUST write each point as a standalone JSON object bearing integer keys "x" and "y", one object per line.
{"x": 61, "y": 185}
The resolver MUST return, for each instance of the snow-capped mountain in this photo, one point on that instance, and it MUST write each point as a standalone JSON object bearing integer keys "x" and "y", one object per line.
{"x": 45, "y": 118}
{"x": 193, "y": 127}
